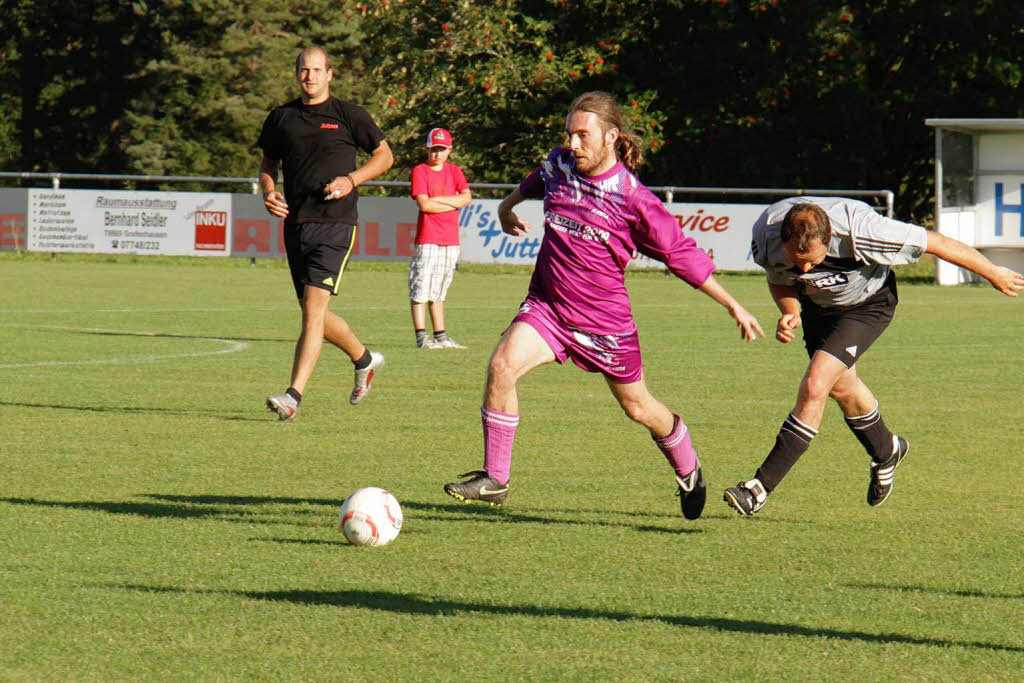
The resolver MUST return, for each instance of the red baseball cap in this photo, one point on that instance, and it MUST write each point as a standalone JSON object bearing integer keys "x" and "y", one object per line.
{"x": 439, "y": 137}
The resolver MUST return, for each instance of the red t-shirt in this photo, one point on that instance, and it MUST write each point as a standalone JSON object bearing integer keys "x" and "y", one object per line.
{"x": 438, "y": 228}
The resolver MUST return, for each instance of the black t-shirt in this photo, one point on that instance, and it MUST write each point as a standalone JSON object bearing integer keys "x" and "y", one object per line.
{"x": 317, "y": 143}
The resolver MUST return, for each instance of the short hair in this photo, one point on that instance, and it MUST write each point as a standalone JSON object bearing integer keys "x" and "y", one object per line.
{"x": 312, "y": 49}
{"x": 805, "y": 224}
{"x": 602, "y": 104}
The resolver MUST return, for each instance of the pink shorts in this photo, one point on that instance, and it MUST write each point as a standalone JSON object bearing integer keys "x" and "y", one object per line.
{"x": 616, "y": 356}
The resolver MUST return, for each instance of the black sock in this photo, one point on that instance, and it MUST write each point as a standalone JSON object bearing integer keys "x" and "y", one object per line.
{"x": 440, "y": 334}
{"x": 364, "y": 361}
{"x": 421, "y": 334}
{"x": 294, "y": 394}
{"x": 793, "y": 439}
{"x": 872, "y": 433}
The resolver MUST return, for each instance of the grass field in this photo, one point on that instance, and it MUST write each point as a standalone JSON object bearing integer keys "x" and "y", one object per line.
{"x": 158, "y": 524}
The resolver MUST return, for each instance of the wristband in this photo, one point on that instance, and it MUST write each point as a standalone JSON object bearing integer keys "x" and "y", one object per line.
{"x": 349, "y": 176}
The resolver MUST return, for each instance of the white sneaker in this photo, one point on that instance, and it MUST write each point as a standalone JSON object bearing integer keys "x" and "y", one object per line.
{"x": 448, "y": 343}
{"x": 361, "y": 386}
{"x": 284, "y": 405}
{"x": 427, "y": 343}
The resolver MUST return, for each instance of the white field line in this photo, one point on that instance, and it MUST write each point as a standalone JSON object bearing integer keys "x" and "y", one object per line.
{"x": 232, "y": 347}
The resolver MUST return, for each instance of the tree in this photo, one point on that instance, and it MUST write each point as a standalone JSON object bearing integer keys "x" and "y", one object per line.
{"x": 222, "y": 66}
{"x": 500, "y": 75}
{"x": 758, "y": 93}
{"x": 70, "y": 64}
{"x": 822, "y": 94}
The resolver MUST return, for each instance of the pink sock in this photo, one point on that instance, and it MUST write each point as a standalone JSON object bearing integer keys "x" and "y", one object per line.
{"x": 499, "y": 432}
{"x": 678, "y": 448}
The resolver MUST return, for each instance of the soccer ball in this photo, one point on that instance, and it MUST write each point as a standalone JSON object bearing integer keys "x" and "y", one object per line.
{"x": 370, "y": 516}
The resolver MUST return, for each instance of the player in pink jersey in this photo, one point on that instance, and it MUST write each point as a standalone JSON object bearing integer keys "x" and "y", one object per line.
{"x": 596, "y": 214}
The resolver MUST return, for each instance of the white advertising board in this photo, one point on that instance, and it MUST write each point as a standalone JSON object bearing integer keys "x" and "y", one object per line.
{"x": 117, "y": 221}
{"x": 1000, "y": 207}
{"x": 484, "y": 242}
{"x": 722, "y": 230}
{"x": 203, "y": 224}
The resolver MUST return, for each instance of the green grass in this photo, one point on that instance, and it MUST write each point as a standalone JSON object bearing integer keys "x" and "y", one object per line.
{"x": 158, "y": 524}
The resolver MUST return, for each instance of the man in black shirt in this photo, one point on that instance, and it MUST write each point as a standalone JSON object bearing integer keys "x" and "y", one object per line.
{"x": 315, "y": 138}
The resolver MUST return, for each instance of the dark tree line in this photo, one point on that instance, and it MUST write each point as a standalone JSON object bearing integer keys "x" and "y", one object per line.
{"x": 763, "y": 93}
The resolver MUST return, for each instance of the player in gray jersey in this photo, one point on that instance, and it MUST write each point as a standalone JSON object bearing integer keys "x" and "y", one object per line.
{"x": 827, "y": 261}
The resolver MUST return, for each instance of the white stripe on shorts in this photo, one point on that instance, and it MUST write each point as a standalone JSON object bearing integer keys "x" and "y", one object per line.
{"x": 431, "y": 271}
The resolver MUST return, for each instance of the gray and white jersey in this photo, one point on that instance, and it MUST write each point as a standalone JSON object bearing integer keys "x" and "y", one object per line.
{"x": 863, "y": 246}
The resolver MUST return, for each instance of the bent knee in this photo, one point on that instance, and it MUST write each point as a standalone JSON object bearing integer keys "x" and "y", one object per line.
{"x": 816, "y": 389}
{"x": 501, "y": 370}
{"x": 635, "y": 411}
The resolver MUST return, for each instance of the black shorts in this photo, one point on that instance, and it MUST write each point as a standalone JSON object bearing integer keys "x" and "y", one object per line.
{"x": 317, "y": 254}
{"x": 846, "y": 332}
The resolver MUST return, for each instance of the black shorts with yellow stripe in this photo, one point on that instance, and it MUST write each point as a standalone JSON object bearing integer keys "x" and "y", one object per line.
{"x": 318, "y": 254}
{"x": 846, "y": 332}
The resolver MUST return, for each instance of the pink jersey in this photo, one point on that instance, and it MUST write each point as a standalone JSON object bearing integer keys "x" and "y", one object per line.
{"x": 592, "y": 226}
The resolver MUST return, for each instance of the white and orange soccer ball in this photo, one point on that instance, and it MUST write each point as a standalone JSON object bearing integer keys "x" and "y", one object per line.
{"x": 370, "y": 516}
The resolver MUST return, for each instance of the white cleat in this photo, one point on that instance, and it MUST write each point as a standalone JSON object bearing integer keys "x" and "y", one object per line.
{"x": 363, "y": 378}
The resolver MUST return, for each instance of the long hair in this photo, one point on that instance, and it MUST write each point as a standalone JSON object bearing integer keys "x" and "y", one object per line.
{"x": 627, "y": 147}
{"x": 803, "y": 225}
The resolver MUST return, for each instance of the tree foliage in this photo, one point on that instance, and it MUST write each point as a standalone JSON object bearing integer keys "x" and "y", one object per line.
{"x": 499, "y": 75}
{"x": 764, "y": 93}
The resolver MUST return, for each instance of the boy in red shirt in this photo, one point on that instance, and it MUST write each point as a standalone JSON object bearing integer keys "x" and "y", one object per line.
{"x": 440, "y": 190}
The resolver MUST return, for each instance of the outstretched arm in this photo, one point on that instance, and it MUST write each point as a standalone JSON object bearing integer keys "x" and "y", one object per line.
{"x": 749, "y": 327}
{"x": 1007, "y": 281}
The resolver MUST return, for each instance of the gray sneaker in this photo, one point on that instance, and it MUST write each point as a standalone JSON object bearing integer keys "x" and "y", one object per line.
{"x": 693, "y": 492}
{"x": 746, "y": 498}
{"x": 479, "y": 486}
{"x": 284, "y": 405}
{"x": 882, "y": 473}
{"x": 426, "y": 343}
{"x": 361, "y": 385}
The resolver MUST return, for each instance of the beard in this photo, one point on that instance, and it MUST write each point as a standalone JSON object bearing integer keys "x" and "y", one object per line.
{"x": 592, "y": 161}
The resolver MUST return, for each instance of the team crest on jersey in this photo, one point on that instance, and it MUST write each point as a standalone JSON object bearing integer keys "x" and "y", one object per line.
{"x": 829, "y": 281}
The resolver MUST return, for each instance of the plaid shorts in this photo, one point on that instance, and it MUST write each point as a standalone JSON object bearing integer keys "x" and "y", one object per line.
{"x": 431, "y": 271}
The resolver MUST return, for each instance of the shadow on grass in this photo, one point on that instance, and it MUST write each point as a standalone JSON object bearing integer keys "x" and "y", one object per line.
{"x": 163, "y": 511}
{"x": 937, "y": 591}
{"x": 232, "y": 509}
{"x": 469, "y": 510}
{"x": 137, "y": 410}
{"x": 451, "y": 512}
{"x": 401, "y": 603}
{"x": 203, "y": 499}
{"x": 158, "y": 335}
{"x": 303, "y": 541}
